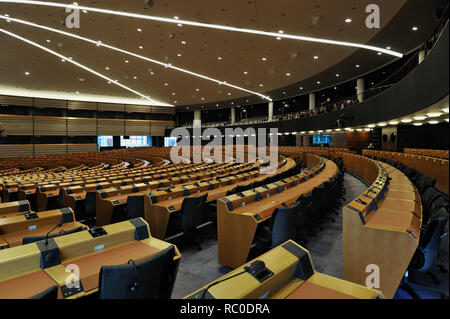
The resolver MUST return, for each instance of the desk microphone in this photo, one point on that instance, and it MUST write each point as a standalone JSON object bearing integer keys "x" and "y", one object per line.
{"x": 46, "y": 236}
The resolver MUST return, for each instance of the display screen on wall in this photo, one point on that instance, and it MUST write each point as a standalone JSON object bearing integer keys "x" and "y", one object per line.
{"x": 322, "y": 140}
{"x": 135, "y": 141}
{"x": 170, "y": 141}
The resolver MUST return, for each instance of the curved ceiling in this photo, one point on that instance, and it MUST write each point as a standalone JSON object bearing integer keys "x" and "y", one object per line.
{"x": 236, "y": 58}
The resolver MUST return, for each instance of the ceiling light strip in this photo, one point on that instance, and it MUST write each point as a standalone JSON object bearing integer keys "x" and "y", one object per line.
{"x": 80, "y": 66}
{"x": 166, "y": 65}
{"x": 207, "y": 25}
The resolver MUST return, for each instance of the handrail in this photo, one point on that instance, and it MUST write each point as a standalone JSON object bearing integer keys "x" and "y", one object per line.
{"x": 376, "y": 90}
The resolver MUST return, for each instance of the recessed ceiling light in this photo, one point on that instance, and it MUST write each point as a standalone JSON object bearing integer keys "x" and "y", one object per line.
{"x": 139, "y": 30}
{"x": 206, "y": 25}
{"x": 179, "y": 24}
{"x": 107, "y": 68}
{"x": 219, "y": 58}
{"x": 183, "y": 42}
{"x": 418, "y": 124}
{"x": 288, "y": 74}
{"x": 406, "y": 121}
{"x": 135, "y": 77}
{"x": 176, "y": 17}
{"x": 337, "y": 74}
{"x": 318, "y": 82}
{"x": 261, "y": 84}
{"x": 197, "y": 90}
{"x": 166, "y": 84}
{"x": 393, "y": 122}
{"x": 301, "y": 88}
{"x": 420, "y": 118}
{"x": 379, "y": 53}
{"x": 178, "y": 54}
{"x": 357, "y": 65}
{"x": 126, "y": 52}
{"x": 202, "y": 98}
{"x": 445, "y": 110}
{"x": 245, "y": 72}
{"x": 278, "y": 38}
{"x": 62, "y": 60}
{"x": 415, "y": 28}
{"x": 126, "y": 61}
{"x": 27, "y": 73}
{"x": 152, "y": 73}
{"x": 141, "y": 47}
{"x": 49, "y": 41}
{"x": 434, "y": 114}
{"x": 281, "y": 31}
{"x": 348, "y": 20}
{"x": 335, "y": 87}
{"x": 382, "y": 124}
{"x": 316, "y": 57}
{"x": 388, "y": 48}
{"x": 77, "y": 92}
{"x": 367, "y": 129}
{"x": 264, "y": 59}
{"x": 371, "y": 125}
{"x": 433, "y": 122}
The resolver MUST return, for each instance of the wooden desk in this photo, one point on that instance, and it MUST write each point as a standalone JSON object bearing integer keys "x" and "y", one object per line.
{"x": 294, "y": 277}
{"x": 237, "y": 228}
{"x": 3, "y": 244}
{"x": 158, "y": 214}
{"x": 91, "y": 264}
{"x": 25, "y": 286}
{"x": 385, "y": 231}
{"x": 16, "y": 238}
{"x": 122, "y": 241}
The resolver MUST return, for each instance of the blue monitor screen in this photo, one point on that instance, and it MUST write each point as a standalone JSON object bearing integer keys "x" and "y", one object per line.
{"x": 321, "y": 139}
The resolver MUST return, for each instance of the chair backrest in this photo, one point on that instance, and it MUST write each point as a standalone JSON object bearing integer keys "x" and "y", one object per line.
{"x": 50, "y": 293}
{"x": 284, "y": 224}
{"x": 428, "y": 197}
{"x": 427, "y": 253}
{"x": 90, "y": 204}
{"x": 146, "y": 279}
{"x": 29, "y": 240}
{"x": 423, "y": 182}
{"x": 192, "y": 212}
{"x": 135, "y": 207}
{"x": 411, "y": 173}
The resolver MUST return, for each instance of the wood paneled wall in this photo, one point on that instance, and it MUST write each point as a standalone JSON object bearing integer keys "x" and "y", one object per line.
{"x": 14, "y": 150}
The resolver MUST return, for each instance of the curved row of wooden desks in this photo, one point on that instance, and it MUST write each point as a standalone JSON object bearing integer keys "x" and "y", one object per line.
{"x": 433, "y": 167}
{"x": 381, "y": 227}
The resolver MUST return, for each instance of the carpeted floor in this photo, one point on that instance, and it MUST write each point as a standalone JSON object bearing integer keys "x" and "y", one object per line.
{"x": 199, "y": 268}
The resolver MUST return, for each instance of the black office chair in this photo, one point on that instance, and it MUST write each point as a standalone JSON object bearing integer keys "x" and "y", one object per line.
{"x": 318, "y": 195}
{"x": 426, "y": 256}
{"x": 423, "y": 182}
{"x": 400, "y": 166}
{"x": 429, "y": 196}
{"x": 29, "y": 240}
{"x": 411, "y": 173}
{"x": 303, "y": 211}
{"x": 89, "y": 208}
{"x": 135, "y": 207}
{"x": 282, "y": 228}
{"x": 192, "y": 217}
{"x": 50, "y": 293}
{"x": 151, "y": 278}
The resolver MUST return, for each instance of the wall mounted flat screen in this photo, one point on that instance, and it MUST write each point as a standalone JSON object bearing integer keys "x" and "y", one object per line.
{"x": 322, "y": 140}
